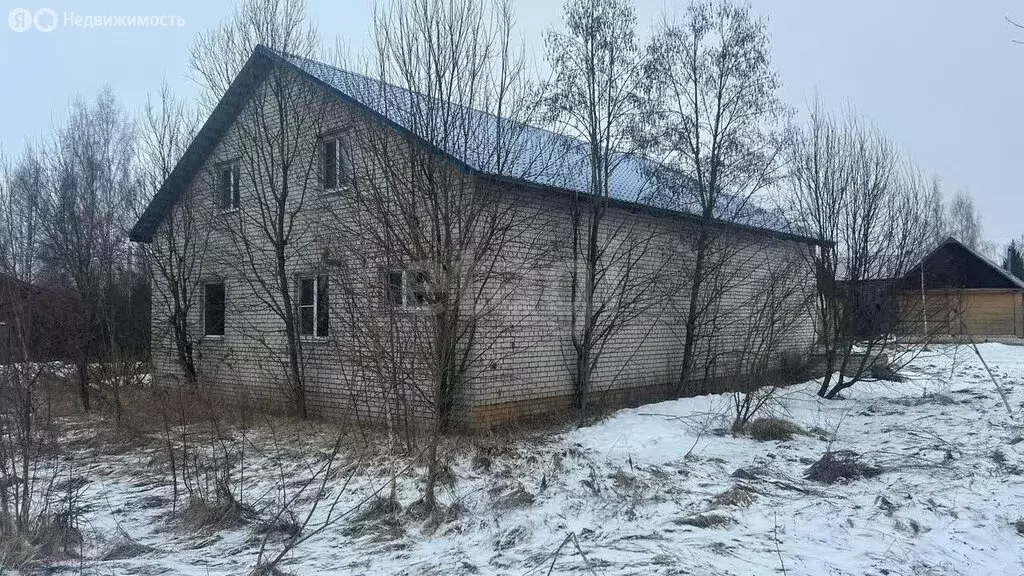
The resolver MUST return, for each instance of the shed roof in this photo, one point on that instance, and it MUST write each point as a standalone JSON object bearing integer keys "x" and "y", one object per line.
{"x": 954, "y": 265}
{"x": 540, "y": 158}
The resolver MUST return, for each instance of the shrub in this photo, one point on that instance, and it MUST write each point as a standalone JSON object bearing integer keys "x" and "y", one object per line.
{"x": 794, "y": 367}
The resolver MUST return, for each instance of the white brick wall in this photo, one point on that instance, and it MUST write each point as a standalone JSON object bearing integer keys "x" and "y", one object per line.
{"x": 371, "y": 367}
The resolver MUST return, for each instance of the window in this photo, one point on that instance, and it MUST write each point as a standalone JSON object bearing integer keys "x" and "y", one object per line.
{"x": 213, "y": 310}
{"x": 227, "y": 185}
{"x": 337, "y": 164}
{"x": 407, "y": 288}
{"x": 314, "y": 306}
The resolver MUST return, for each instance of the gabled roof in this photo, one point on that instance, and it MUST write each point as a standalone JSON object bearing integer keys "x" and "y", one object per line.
{"x": 535, "y": 156}
{"x": 953, "y": 264}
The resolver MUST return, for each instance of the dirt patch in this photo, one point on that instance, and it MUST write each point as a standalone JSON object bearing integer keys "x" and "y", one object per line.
{"x": 840, "y": 465}
{"x": 927, "y": 399}
{"x": 623, "y": 480}
{"x": 886, "y": 373}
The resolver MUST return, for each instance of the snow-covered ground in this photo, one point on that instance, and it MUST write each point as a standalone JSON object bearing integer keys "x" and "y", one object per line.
{"x": 629, "y": 489}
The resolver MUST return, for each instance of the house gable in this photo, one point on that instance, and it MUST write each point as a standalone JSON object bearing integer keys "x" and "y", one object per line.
{"x": 953, "y": 265}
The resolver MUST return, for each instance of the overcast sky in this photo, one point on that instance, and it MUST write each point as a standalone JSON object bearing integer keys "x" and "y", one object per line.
{"x": 942, "y": 78}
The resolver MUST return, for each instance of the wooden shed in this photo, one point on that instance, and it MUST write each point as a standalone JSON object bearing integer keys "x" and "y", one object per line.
{"x": 962, "y": 293}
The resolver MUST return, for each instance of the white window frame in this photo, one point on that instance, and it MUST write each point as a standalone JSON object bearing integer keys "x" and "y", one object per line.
{"x": 234, "y": 202}
{"x": 343, "y": 177}
{"x": 315, "y": 278}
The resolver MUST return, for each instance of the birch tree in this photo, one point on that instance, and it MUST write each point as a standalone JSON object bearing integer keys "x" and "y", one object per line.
{"x": 176, "y": 253}
{"x": 275, "y": 175}
{"x": 91, "y": 195}
{"x": 853, "y": 191}
{"x": 964, "y": 221}
{"x": 443, "y": 251}
{"x": 717, "y": 123}
{"x": 596, "y": 95}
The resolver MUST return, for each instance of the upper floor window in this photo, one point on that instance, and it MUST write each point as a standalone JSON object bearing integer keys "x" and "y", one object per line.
{"x": 407, "y": 288}
{"x": 337, "y": 164}
{"x": 314, "y": 306}
{"x": 213, "y": 309}
{"x": 228, "y": 186}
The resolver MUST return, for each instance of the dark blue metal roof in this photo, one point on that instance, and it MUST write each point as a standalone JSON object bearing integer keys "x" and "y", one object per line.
{"x": 483, "y": 145}
{"x": 537, "y": 156}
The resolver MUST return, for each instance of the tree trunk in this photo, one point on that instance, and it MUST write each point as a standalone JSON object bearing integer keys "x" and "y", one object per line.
{"x": 430, "y": 488}
{"x": 690, "y": 339}
{"x": 83, "y": 382}
{"x": 186, "y": 359}
{"x": 291, "y": 334}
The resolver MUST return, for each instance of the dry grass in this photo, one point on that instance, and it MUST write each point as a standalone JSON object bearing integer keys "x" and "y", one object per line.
{"x": 736, "y": 497}
{"x": 224, "y": 512}
{"x": 54, "y": 537}
{"x": 772, "y": 429}
{"x": 706, "y": 521}
{"x": 841, "y": 465}
{"x": 886, "y": 373}
{"x": 124, "y": 548}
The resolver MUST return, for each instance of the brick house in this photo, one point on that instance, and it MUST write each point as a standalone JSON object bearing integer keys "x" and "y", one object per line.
{"x": 344, "y": 285}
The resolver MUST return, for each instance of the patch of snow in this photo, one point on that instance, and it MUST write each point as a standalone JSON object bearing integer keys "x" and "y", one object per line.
{"x": 632, "y": 487}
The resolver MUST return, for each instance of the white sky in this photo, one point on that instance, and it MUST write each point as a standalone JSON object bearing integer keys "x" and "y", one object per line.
{"x": 942, "y": 78}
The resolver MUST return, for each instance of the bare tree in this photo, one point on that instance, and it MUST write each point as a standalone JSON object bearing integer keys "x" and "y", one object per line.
{"x": 175, "y": 256}
{"x": 964, "y": 220}
{"x": 595, "y": 94}
{"x": 91, "y": 195}
{"x": 217, "y": 55}
{"x": 1016, "y": 25}
{"x": 439, "y": 279}
{"x": 717, "y": 123}
{"x": 765, "y": 359}
{"x": 32, "y": 320}
{"x": 275, "y": 139}
{"x": 936, "y": 213}
{"x": 23, "y": 194}
{"x": 853, "y": 192}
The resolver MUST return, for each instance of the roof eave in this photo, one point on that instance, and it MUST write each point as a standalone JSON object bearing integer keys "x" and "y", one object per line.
{"x": 205, "y": 141}
{"x": 656, "y": 211}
